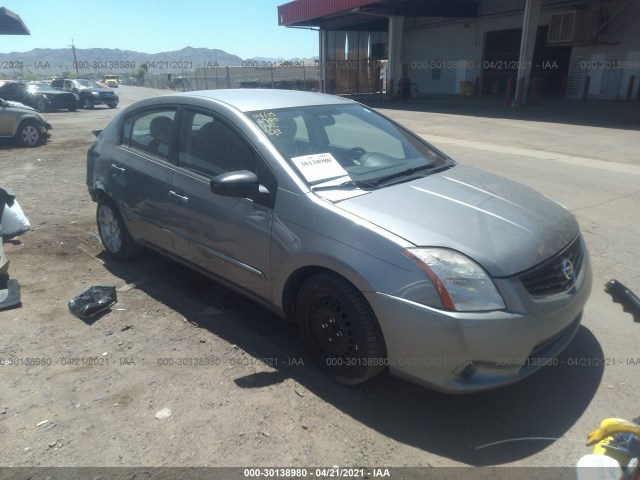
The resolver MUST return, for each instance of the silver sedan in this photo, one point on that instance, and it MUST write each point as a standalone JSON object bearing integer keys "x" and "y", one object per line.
{"x": 387, "y": 253}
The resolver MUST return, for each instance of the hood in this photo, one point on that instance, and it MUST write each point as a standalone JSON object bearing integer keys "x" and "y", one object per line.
{"x": 20, "y": 106}
{"x": 505, "y": 226}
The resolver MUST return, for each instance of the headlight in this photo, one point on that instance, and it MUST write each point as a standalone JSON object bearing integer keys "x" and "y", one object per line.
{"x": 95, "y": 94}
{"x": 462, "y": 284}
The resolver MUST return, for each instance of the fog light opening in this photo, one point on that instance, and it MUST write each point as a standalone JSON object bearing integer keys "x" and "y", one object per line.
{"x": 465, "y": 370}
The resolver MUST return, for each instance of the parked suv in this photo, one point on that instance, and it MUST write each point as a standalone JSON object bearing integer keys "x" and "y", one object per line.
{"x": 90, "y": 93}
{"x": 111, "y": 81}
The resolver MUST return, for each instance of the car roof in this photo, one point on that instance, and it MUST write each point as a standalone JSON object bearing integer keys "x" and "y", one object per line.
{"x": 250, "y": 99}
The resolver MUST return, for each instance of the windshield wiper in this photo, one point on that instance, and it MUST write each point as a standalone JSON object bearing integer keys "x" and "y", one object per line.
{"x": 345, "y": 185}
{"x": 405, "y": 173}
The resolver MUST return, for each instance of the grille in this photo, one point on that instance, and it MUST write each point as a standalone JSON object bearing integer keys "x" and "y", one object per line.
{"x": 549, "y": 277}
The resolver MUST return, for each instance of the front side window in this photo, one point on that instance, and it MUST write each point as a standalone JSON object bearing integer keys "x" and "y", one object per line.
{"x": 150, "y": 131}
{"x": 210, "y": 147}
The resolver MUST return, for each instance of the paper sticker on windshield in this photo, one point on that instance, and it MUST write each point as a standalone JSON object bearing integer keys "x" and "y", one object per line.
{"x": 269, "y": 122}
{"x": 320, "y": 166}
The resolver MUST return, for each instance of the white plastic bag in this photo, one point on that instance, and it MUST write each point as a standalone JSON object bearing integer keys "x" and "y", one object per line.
{"x": 13, "y": 222}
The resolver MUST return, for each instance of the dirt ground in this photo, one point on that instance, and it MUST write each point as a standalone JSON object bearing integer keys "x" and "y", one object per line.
{"x": 239, "y": 387}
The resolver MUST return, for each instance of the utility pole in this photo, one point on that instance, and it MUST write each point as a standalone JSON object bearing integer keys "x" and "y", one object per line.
{"x": 75, "y": 61}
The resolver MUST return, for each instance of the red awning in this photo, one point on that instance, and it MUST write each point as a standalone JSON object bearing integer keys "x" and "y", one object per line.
{"x": 12, "y": 24}
{"x": 302, "y": 10}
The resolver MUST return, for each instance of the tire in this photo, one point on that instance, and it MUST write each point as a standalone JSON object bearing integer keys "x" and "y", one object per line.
{"x": 41, "y": 105}
{"x": 28, "y": 134}
{"x": 87, "y": 103}
{"x": 73, "y": 109}
{"x": 112, "y": 105}
{"x": 114, "y": 235}
{"x": 339, "y": 329}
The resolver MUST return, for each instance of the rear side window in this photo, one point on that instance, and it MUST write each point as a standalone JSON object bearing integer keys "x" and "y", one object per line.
{"x": 150, "y": 131}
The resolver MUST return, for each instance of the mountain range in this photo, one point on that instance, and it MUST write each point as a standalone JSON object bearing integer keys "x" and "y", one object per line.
{"x": 49, "y": 61}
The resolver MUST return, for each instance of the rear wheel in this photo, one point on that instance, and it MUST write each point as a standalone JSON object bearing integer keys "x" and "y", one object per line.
{"x": 28, "y": 134}
{"x": 113, "y": 233}
{"x": 339, "y": 329}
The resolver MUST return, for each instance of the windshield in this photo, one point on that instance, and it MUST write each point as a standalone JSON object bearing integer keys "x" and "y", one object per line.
{"x": 40, "y": 87}
{"x": 87, "y": 83}
{"x": 345, "y": 145}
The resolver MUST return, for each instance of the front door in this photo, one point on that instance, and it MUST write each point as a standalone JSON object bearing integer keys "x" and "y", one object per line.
{"x": 229, "y": 237}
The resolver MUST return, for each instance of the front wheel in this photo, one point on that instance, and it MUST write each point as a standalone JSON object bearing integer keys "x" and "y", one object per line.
{"x": 88, "y": 104}
{"x": 28, "y": 135}
{"x": 113, "y": 233}
{"x": 112, "y": 105}
{"x": 339, "y": 329}
{"x": 41, "y": 105}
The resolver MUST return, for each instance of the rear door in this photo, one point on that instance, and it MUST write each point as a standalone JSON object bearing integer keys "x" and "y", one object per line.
{"x": 228, "y": 237}
{"x": 140, "y": 173}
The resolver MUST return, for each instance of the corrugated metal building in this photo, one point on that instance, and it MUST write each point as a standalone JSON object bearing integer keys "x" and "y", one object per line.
{"x": 476, "y": 46}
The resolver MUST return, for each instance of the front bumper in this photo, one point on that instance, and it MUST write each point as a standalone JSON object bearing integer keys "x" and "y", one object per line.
{"x": 104, "y": 100}
{"x": 44, "y": 129}
{"x": 463, "y": 352}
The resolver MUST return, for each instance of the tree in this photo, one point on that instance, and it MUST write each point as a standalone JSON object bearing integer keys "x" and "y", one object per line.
{"x": 140, "y": 72}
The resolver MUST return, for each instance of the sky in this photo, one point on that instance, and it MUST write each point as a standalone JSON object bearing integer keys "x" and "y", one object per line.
{"x": 246, "y": 28}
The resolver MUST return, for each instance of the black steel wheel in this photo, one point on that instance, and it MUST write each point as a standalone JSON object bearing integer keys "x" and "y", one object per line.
{"x": 339, "y": 329}
{"x": 113, "y": 233}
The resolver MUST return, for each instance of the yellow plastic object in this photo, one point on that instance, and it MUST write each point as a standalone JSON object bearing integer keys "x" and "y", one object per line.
{"x": 609, "y": 427}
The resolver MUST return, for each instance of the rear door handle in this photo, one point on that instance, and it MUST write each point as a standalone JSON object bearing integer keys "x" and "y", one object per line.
{"x": 178, "y": 198}
{"x": 116, "y": 170}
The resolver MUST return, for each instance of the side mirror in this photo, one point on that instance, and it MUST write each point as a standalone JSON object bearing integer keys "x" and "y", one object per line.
{"x": 240, "y": 184}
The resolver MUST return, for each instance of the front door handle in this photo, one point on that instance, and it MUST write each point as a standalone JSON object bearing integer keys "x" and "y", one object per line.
{"x": 178, "y": 198}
